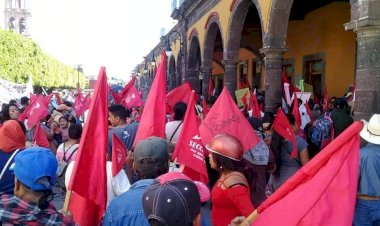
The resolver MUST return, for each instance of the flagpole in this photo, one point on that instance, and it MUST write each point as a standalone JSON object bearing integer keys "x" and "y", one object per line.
{"x": 67, "y": 202}
{"x": 250, "y": 219}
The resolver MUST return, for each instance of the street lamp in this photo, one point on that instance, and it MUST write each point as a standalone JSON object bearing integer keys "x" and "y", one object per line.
{"x": 79, "y": 69}
{"x": 168, "y": 50}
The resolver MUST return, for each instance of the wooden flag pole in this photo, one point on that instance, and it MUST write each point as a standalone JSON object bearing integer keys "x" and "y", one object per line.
{"x": 66, "y": 203}
{"x": 250, "y": 219}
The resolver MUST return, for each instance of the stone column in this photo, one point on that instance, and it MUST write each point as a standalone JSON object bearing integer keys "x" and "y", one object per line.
{"x": 366, "y": 23}
{"x": 230, "y": 80}
{"x": 273, "y": 67}
{"x": 193, "y": 78}
{"x": 207, "y": 73}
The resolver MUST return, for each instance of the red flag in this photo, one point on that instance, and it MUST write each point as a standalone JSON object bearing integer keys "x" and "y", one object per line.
{"x": 33, "y": 97}
{"x": 153, "y": 118}
{"x": 24, "y": 115}
{"x": 284, "y": 78}
{"x": 189, "y": 148}
{"x": 211, "y": 87}
{"x": 247, "y": 83}
{"x": 332, "y": 176}
{"x": 89, "y": 182}
{"x": 255, "y": 106}
{"x": 282, "y": 126}
{"x": 205, "y": 108}
{"x": 133, "y": 98}
{"x": 225, "y": 117}
{"x": 180, "y": 93}
{"x": 242, "y": 85}
{"x": 296, "y": 111}
{"x": 79, "y": 106}
{"x": 119, "y": 154}
{"x": 244, "y": 99}
{"x": 38, "y": 110}
{"x": 124, "y": 92}
{"x": 40, "y": 137}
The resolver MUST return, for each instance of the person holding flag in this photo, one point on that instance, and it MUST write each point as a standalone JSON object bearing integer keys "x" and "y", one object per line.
{"x": 288, "y": 158}
{"x": 230, "y": 194}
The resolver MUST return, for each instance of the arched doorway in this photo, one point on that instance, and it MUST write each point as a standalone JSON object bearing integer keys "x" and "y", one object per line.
{"x": 194, "y": 63}
{"x": 242, "y": 58}
{"x": 171, "y": 75}
{"x": 213, "y": 56}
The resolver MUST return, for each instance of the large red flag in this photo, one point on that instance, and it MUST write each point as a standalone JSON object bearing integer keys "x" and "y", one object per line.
{"x": 38, "y": 110}
{"x": 189, "y": 148}
{"x": 89, "y": 182}
{"x": 323, "y": 192}
{"x": 124, "y": 92}
{"x": 119, "y": 154}
{"x": 282, "y": 126}
{"x": 40, "y": 137}
{"x": 25, "y": 114}
{"x": 153, "y": 118}
{"x": 180, "y": 93}
{"x": 296, "y": 111}
{"x": 225, "y": 117}
{"x": 211, "y": 87}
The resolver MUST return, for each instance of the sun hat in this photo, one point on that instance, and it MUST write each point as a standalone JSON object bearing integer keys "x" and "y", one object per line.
{"x": 371, "y": 130}
{"x": 174, "y": 199}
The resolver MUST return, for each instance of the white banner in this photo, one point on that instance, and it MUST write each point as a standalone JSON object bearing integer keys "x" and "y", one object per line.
{"x": 13, "y": 91}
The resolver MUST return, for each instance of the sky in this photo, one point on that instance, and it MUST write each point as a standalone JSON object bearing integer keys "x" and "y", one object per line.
{"x": 112, "y": 33}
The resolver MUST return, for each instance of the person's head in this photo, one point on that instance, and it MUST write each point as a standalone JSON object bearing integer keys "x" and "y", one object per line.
{"x": 371, "y": 130}
{"x": 226, "y": 153}
{"x": 151, "y": 158}
{"x": 35, "y": 175}
{"x": 75, "y": 131}
{"x": 331, "y": 103}
{"x": 117, "y": 115}
{"x": 179, "y": 110}
{"x": 268, "y": 120}
{"x": 24, "y": 101}
{"x": 174, "y": 199}
{"x": 10, "y": 111}
{"x": 63, "y": 122}
{"x": 12, "y": 136}
{"x": 349, "y": 96}
{"x": 292, "y": 121}
{"x": 339, "y": 103}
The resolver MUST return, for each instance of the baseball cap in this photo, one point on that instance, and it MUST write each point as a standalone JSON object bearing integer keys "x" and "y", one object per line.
{"x": 174, "y": 199}
{"x": 36, "y": 168}
{"x": 151, "y": 150}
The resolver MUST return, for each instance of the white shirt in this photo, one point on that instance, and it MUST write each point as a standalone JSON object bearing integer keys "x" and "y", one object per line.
{"x": 115, "y": 185}
{"x": 170, "y": 128}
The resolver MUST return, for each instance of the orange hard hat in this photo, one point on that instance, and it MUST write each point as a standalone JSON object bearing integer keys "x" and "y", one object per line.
{"x": 227, "y": 146}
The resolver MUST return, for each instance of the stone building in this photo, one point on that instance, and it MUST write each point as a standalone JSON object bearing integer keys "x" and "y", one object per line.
{"x": 16, "y": 15}
{"x": 322, "y": 42}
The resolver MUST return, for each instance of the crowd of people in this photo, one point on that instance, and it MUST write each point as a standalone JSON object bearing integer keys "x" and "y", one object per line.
{"x": 151, "y": 190}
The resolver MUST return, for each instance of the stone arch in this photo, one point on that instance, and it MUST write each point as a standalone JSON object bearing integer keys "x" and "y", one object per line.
{"x": 194, "y": 63}
{"x": 213, "y": 44}
{"x": 275, "y": 35}
{"x": 239, "y": 10}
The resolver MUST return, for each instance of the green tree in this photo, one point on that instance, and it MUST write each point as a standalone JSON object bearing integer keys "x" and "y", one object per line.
{"x": 21, "y": 56}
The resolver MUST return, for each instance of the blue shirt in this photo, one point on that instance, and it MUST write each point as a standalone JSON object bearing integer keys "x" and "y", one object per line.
{"x": 369, "y": 170}
{"x": 126, "y": 133}
{"x": 127, "y": 209}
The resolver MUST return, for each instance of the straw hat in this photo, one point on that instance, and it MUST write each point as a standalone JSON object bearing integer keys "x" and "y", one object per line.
{"x": 371, "y": 130}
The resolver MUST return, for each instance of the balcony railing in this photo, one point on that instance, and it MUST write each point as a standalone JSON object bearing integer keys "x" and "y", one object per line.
{"x": 176, "y": 5}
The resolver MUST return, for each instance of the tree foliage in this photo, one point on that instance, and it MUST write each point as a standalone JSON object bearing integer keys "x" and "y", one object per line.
{"x": 20, "y": 57}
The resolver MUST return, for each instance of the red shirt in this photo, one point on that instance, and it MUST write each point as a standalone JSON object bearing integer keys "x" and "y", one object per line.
{"x": 230, "y": 203}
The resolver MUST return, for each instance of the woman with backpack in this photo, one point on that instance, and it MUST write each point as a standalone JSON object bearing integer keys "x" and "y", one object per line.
{"x": 67, "y": 152}
{"x": 286, "y": 166}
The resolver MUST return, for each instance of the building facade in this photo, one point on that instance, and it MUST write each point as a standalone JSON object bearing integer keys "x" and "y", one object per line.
{"x": 324, "y": 43}
{"x": 16, "y": 15}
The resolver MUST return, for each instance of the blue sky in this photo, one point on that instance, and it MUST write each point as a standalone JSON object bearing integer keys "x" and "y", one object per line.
{"x": 116, "y": 34}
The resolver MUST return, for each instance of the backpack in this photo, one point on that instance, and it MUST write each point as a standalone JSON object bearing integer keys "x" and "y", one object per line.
{"x": 323, "y": 132}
